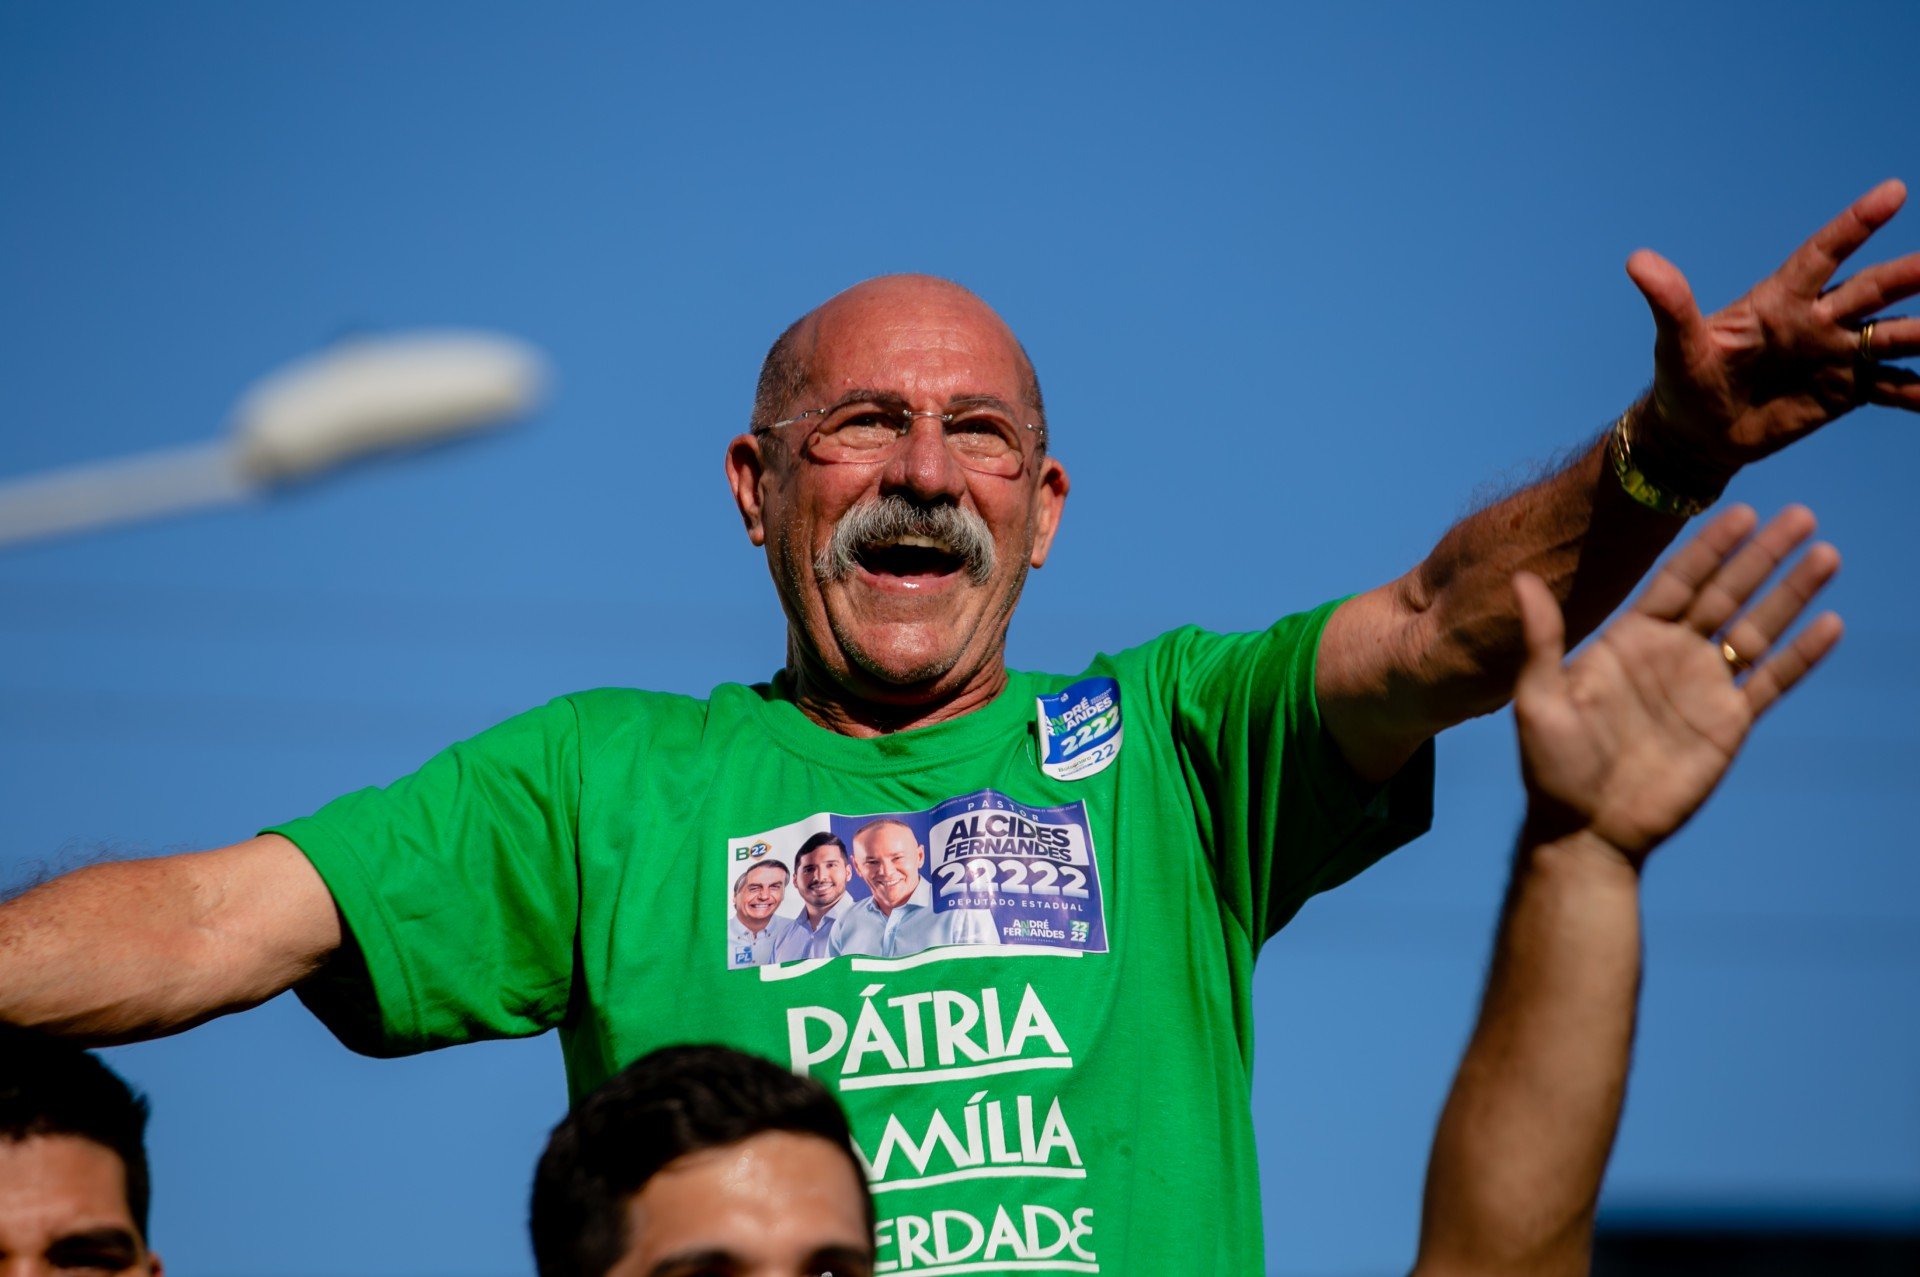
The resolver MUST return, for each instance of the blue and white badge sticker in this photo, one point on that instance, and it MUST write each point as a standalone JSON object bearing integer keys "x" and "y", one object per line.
{"x": 1080, "y": 729}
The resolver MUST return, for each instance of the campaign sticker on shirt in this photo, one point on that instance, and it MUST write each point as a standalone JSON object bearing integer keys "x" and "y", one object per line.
{"x": 975, "y": 869}
{"x": 1080, "y": 729}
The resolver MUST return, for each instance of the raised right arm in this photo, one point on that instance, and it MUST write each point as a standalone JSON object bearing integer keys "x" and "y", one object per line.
{"x": 140, "y": 948}
{"x": 1618, "y": 749}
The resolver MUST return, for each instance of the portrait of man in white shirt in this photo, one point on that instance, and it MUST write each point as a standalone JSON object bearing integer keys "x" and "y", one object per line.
{"x": 753, "y": 930}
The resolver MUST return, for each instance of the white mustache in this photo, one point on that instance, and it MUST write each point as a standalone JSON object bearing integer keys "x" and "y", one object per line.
{"x": 892, "y": 518}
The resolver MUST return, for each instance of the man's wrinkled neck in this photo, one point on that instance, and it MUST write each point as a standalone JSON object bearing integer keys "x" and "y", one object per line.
{"x": 830, "y": 704}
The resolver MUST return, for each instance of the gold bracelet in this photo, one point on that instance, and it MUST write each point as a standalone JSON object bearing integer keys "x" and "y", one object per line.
{"x": 1636, "y": 484}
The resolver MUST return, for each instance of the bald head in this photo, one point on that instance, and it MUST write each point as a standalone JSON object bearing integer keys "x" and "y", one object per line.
{"x": 886, "y": 302}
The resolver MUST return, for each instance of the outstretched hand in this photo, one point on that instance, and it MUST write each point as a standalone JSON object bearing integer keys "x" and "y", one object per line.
{"x": 1628, "y": 739}
{"x": 1785, "y": 359}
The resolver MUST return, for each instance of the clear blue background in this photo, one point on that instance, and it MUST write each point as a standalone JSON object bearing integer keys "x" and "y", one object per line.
{"x": 1304, "y": 283}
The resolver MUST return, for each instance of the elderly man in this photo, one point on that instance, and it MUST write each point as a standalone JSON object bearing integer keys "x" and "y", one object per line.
{"x": 1142, "y": 825}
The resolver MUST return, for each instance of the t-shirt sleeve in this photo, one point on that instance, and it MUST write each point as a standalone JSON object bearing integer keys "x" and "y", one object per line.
{"x": 1283, "y": 815}
{"x": 459, "y": 888}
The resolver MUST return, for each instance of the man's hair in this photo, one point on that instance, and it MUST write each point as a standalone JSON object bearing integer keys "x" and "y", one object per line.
{"x": 740, "y": 880}
{"x": 784, "y": 373}
{"x": 673, "y": 1102}
{"x": 882, "y": 823}
{"x": 50, "y": 1087}
{"x": 819, "y": 842}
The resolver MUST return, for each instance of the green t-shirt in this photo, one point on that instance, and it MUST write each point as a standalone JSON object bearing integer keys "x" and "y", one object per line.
{"x": 1044, "y": 1045}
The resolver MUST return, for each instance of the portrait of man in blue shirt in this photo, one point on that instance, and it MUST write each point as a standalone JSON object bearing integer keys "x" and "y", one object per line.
{"x": 898, "y": 917}
{"x": 821, "y": 872}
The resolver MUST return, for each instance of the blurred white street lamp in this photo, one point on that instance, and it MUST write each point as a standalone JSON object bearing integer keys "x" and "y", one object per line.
{"x": 363, "y": 395}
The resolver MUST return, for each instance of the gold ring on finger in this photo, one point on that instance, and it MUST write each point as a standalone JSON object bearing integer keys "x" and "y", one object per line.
{"x": 1866, "y": 343}
{"x": 1735, "y": 662}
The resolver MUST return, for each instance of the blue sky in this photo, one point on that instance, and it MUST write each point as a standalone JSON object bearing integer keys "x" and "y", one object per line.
{"x": 1304, "y": 284}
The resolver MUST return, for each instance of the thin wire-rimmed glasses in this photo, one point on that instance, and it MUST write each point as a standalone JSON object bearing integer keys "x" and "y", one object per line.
{"x": 981, "y": 437}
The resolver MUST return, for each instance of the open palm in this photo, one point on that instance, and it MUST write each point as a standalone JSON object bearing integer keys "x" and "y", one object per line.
{"x": 1629, "y": 738}
{"x": 1786, "y": 358}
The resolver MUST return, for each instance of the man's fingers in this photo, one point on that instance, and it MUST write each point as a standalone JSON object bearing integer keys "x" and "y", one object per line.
{"x": 1727, "y": 590}
{"x": 1668, "y": 295}
{"x": 1896, "y": 337}
{"x": 1673, "y": 588}
{"x": 1813, "y": 263}
{"x": 1775, "y": 676}
{"x": 1545, "y": 632}
{"x": 1890, "y": 387}
{"x": 1874, "y": 288}
{"x": 1780, "y": 607}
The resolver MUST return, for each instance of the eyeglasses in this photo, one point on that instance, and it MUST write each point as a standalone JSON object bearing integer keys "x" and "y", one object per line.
{"x": 980, "y": 438}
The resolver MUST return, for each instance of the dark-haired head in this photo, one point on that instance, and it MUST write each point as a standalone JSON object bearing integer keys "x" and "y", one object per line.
{"x": 818, "y": 842}
{"x": 49, "y": 1087}
{"x": 73, "y": 1162}
{"x": 664, "y": 1107}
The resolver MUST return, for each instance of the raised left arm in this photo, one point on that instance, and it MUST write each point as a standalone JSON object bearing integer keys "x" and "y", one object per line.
{"x": 1442, "y": 643}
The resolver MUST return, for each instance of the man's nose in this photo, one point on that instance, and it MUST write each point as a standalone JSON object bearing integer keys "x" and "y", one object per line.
{"x": 923, "y": 466}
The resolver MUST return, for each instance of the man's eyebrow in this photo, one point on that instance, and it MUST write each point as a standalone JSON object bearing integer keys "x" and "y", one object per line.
{"x": 108, "y": 1238}
{"x": 843, "y": 1261}
{"x": 694, "y": 1261}
{"x": 982, "y": 401}
{"x": 866, "y": 394}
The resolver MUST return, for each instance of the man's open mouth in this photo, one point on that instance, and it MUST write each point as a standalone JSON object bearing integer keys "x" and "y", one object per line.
{"x": 910, "y": 556}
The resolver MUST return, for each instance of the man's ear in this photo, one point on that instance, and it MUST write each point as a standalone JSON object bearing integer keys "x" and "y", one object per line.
{"x": 746, "y": 472}
{"x": 1048, "y": 501}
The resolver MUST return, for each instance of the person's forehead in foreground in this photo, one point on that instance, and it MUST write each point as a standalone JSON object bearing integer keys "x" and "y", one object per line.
{"x": 912, "y": 615}
{"x": 63, "y": 1208}
{"x": 702, "y": 1160}
{"x": 777, "y": 1204}
{"x": 73, "y": 1163}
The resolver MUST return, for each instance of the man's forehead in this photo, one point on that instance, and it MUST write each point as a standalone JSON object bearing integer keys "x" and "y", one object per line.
{"x": 913, "y": 334}
{"x": 68, "y": 1178}
{"x": 890, "y": 838}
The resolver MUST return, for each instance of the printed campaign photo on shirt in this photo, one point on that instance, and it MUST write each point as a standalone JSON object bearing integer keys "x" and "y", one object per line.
{"x": 976, "y": 869}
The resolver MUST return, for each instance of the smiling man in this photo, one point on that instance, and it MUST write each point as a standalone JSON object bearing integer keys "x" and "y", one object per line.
{"x": 898, "y": 919}
{"x": 754, "y": 931}
{"x": 821, "y": 874}
{"x": 1135, "y": 831}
